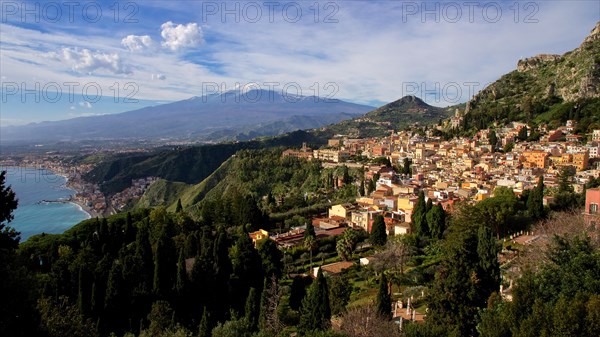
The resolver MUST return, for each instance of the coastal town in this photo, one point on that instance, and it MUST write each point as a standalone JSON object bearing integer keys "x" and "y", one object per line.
{"x": 448, "y": 171}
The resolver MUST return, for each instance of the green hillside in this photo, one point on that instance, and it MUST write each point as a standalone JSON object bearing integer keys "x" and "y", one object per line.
{"x": 393, "y": 116}
{"x": 161, "y": 192}
{"x": 190, "y": 165}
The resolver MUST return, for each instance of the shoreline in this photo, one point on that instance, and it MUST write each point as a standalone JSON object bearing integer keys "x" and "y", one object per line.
{"x": 91, "y": 213}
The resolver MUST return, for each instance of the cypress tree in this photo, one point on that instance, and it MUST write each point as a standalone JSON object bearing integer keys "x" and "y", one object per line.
{"x": 535, "y": 200}
{"x": 315, "y": 311}
{"x": 181, "y": 283}
{"x": 428, "y": 205}
{"x": 436, "y": 221}
{"x": 143, "y": 254}
{"x": 310, "y": 230}
{"x": 164, "y": 266}
{"x": 384, "y": 300}
{"x": 378, "y": 235}
{"x": 247, "y": 270}
{"x": 205, "y": 328}
{"x": 419, "y": 216}
{"x": 252, "y": 309}
{"x": 179, "y": 207}
{"x": 489, "y": 267}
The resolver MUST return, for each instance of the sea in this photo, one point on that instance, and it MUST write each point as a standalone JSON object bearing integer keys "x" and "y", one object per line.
{"x": 43, "y": 202}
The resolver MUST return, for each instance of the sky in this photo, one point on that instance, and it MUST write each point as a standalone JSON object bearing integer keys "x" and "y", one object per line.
{"x": 66, "y": 59}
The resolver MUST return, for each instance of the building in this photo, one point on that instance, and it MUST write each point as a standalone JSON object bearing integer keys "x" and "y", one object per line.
{"x": 536, "y": 158}
{"x": 596, "y": 136}
{"x": 258, "y": 235}
{"x": 580, "y": 161}
{"x": 336, "y": 156}
{"x": 341, "y": 210}
{"x": 304, "y": 153}
{"x": 591, "y": 214}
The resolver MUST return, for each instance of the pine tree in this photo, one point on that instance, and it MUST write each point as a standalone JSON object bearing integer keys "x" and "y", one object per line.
{"x": 179, "y": 208}
{"x": 315, "y": 311}
{"x": 378, "y": 235}
{"x": 384, "y": 300}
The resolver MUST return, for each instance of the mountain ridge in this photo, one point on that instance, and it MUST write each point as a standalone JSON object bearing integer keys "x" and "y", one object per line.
{"x": 193, "y": 118}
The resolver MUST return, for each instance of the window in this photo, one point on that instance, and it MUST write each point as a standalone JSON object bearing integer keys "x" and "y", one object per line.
{"x": 593, "y": 208}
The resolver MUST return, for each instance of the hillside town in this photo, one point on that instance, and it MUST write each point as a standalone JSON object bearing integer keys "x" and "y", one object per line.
{"x": 450, "y": 171}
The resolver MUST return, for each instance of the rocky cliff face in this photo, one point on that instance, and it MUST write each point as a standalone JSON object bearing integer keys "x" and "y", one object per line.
{"x": 570, "y": 77}
{"x": 537, "y": 61}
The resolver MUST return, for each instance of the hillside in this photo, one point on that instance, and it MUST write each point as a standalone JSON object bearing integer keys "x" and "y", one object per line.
{"x": 395, "y": 115}
{"x": 544, "y": 88}
{"x": 189, "y": 165}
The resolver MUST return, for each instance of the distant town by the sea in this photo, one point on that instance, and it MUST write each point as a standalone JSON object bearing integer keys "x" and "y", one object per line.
{"x": 44, "y": 202}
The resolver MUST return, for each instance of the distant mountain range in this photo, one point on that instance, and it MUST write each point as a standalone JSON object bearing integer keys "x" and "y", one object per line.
{"x": 217, "y": 117}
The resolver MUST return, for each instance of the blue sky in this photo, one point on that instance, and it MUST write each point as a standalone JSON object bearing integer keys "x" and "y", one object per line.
{"x": 113, "y": 56}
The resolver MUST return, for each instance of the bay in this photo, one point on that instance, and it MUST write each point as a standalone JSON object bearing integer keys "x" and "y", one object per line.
{"x": 43, "y": 202}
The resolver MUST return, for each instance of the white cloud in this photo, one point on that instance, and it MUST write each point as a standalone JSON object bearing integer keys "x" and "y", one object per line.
{"x": 87, "y": 61}
{"x": 176, "y": 37}
{"x": 138, "y": 43}
{"x": 86, "y": 104}
{"x": 161, "y": 77}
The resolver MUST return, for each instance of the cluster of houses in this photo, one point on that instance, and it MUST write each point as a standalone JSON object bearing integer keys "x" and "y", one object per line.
{"x": 135, "y": 191}
{"x": 461, "y": 169}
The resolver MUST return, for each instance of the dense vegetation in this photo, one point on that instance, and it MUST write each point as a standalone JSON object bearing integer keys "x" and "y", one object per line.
{"x": 189, "y": 165}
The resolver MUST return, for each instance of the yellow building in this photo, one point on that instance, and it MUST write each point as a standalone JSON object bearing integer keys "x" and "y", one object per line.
{"x": 341, "y": 210}
{"x": 258, "y": 235}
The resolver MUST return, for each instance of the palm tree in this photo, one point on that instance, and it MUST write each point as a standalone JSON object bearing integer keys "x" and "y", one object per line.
{"x": 310, "y": 243}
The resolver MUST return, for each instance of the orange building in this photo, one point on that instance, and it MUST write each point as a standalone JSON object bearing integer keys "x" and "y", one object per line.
{"x": 580, "y": 161}
{"x": 536, "y": 158}
{"x": 591, "y": 214}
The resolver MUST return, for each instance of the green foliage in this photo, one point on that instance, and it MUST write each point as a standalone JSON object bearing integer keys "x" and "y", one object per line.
{"x": 61, "y": 318}
{"x": 315, "y": 310}
{"x": 560, "y": 299}
{"x": 340, "y": 289}
{"x": 384, "y": 300}
{"x": 272, "y": 257}
{"x": 436, "y": 221}
{"x": 190, "y": 165}
{"x": 535, "y": 201}
{"x": 467, "y": 276}
{"x": 346, "y": 243}
{"x": 233, "y": 328}
{"x": 419, "y": 220}
{"x": 378, "y": 235}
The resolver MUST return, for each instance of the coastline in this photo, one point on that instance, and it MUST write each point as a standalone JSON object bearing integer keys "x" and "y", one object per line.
{"x": 84, "y": 208}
